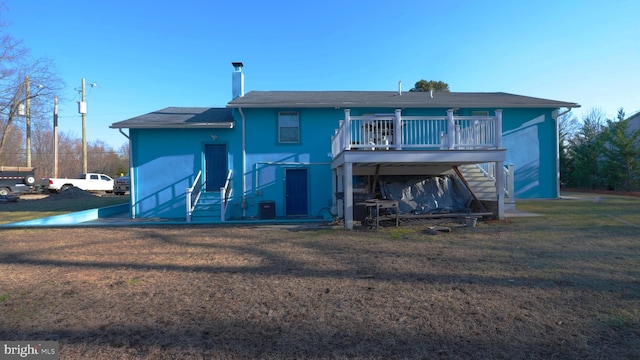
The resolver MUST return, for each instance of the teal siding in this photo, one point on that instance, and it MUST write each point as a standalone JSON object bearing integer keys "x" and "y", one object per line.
{"x": 529, "y": 135}
{"x": 166, "y": 161}
{"x": 267, "y": 160}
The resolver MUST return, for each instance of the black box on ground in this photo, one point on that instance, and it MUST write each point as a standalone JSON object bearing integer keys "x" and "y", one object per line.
{"x": 266, "y": 210}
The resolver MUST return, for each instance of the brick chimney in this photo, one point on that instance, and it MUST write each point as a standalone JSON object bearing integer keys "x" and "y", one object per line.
{"x": 237, "y": 80}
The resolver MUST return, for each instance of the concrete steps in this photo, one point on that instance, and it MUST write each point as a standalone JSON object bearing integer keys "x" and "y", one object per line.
{"x": 208, "y": 208}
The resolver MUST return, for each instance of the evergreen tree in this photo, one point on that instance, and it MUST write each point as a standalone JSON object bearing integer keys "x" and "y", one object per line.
{"x": 622, "y": 151}
{"x": 568, "y": 126}
{"x": 586, "y": 151}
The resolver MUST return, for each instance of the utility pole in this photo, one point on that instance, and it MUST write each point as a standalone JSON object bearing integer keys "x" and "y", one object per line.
{"x": 82, "y": 108}
{"x": 55, "y": 137}
{"x": 28, "y": 120}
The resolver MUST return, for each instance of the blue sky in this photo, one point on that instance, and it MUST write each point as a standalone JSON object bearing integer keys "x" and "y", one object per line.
{"x": 146, "y": 56}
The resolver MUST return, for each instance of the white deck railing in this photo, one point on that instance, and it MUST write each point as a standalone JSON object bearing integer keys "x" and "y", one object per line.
{"x": 489, "y": 170}
{"x": 378, "y": 132}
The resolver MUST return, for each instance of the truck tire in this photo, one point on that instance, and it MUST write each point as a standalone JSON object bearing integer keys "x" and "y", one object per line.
{"x": 64, "y": 187}
{"x": 4, "y": 191}
{"x": 29, "y": 180}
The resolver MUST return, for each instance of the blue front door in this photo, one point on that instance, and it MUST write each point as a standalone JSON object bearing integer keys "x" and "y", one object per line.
{"x": 216, "y": 162}
{"x": 296, "y": 192}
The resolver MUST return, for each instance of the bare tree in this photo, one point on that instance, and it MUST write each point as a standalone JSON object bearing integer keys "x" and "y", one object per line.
{"x": 70, "y": 152}
{"x": 27, "y": 81}
{"x": 22, "y": 80}
{"x": 123, "y": 153}
{"x": 101, "y": 158}
{"x": 14, "y": 152}
{"x": 42, "y": 148}
{"x": 568, "y": 127}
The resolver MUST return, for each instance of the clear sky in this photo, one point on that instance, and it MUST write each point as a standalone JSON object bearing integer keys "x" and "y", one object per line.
{"x": 148, "y": 55}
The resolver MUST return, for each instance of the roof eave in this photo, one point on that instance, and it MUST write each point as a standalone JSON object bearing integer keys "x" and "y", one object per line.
{"x": 397, "y": 105}
{"x": 221, "y": 125}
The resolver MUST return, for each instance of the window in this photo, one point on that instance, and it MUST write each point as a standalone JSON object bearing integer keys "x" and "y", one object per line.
{"x": 479, "y": 113}
{"x": 288, "y": 127}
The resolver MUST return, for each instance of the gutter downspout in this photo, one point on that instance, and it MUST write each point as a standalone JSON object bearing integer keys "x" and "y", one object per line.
{"x": 244, "y": 165}
{"x": 132, "y": 201}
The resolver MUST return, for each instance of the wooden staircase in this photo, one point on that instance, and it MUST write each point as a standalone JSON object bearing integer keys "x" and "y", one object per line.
{"x": 483, "y": 185}
{"x": 208, "y": 208}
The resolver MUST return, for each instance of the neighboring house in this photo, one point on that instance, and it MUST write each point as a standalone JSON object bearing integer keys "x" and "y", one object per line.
{"x": 634, "y": 122}
{"x": 305, "y": 154}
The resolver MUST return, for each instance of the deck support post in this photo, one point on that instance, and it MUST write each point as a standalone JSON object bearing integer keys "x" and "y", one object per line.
{"x": 339, "y": 172}
{"x": 348, "y": 195}
{"x": 500, "y": 188}
{"x": 334, "y": 191}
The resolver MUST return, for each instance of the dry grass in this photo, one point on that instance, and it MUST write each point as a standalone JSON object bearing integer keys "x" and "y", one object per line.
{"x": 565, "y": 286}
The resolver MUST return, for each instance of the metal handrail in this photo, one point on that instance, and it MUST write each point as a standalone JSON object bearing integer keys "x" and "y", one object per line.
{"x": 193, "y": 200}
{"x": 225, "y": 195}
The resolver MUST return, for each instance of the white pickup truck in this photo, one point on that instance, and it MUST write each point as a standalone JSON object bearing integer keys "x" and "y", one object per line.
{"x": 88, "y": 182}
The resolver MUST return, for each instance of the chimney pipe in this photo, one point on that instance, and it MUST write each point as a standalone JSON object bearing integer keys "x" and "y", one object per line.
{"x": 237, "y": 80}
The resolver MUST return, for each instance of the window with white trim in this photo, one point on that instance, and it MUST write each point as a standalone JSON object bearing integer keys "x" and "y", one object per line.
{"x": 288, "y": 127}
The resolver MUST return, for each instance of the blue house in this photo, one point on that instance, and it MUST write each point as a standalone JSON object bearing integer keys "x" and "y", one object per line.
{"x": 314, "y": 154}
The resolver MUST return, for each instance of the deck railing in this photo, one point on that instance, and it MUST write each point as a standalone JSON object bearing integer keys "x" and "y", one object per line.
{"x": 489, "y": 170}
{"x": 450, "y": 132}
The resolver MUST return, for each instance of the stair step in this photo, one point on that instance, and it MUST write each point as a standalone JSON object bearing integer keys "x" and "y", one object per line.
{"x": 205, "y": 215}
{"x": 483, "y": 186}
{"x": 200, "y": 206}
{"x": 207, "y": 208}
{"x": 486, "y": 183}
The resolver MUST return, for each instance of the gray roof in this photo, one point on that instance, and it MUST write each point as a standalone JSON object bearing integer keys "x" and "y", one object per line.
{"x": 634, "y": 121}
{"x": 180, "y": 117}
{"x": 348, "y": 99}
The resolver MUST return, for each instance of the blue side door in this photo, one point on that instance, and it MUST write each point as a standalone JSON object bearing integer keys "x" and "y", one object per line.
{"x": 296, "y": 192}
{"x": 216, "y": 163}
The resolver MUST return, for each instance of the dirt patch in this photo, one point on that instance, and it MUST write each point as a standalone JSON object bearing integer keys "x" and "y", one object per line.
{"x": 71, "y": 193}
{"x": 296, "y": 293}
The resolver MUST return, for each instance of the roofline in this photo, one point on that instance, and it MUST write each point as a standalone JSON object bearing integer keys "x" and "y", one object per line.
{"x": 543, "y": 104}
{"x": 397, "y": 105}
{"x": 220, "y": 125}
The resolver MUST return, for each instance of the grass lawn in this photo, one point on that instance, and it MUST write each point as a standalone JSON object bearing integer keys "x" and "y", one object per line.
{"x": 31, "y": 207}
{"x": 565, "y": 285}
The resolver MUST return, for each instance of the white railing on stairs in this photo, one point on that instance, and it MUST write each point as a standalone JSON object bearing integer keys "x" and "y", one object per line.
{"x": 489, "y": 170}
{"x": 193, "y": 195}
{"x": 225, "y": 195}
